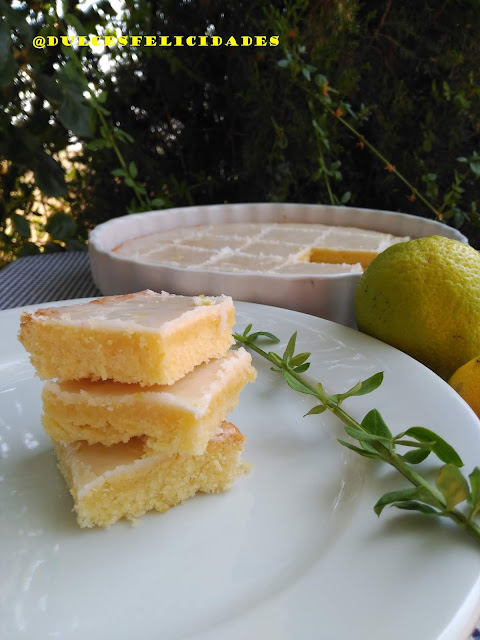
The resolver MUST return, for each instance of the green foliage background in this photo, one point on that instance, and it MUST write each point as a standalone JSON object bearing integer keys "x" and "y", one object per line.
{"x": 161, "y": 127}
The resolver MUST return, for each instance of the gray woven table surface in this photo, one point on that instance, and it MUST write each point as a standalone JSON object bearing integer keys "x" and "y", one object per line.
{"x": 56, "y": 276}
{"x": 45, "y": 278}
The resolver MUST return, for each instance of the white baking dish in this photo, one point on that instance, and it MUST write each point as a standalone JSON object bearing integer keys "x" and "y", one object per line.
{"x": 328, "y": 295}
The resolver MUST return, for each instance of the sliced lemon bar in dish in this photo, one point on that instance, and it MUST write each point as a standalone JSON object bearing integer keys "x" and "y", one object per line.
{"x": 265, "y": 247}
{"x": 110, "y": 483}
{"x": 179, "y": 418}
{"x": 145, "y": 337}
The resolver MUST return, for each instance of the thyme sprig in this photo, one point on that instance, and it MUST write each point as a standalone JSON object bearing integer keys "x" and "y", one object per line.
{"x": 376, "y": 441}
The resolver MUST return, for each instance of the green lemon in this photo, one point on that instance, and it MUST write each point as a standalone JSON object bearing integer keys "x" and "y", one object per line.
{"x": 423, "y": 297}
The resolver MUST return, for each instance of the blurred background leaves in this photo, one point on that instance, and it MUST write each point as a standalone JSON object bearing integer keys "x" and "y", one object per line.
{"x": 89, "y": 134}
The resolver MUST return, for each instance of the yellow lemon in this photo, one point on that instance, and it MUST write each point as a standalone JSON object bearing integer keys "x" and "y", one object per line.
{"x": 466, "y": 381}
{"x": 423, "y": 297}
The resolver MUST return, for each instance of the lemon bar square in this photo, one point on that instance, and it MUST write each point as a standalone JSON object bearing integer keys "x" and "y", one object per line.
{"x": 110, "y": 483}
{"x": 179, "y": 418}
{"x": 145, "y": 337}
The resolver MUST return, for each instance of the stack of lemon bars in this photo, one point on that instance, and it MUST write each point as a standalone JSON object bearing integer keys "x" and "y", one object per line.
{"x": 139, "y": 387}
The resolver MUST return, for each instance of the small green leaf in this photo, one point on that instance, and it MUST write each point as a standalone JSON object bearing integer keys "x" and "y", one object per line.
{"x": 74, "y": 244}
{"x": 98, "y": 107}
{"x": 475, "y": 168}
{"x": 374, "y": 423}
{"x": 21, "y": 225}
{"x": 318, "y": 128}
{"x": 248, "y": 328}
{"x": 123, "y": 136}
{"x": 452, "y": 485}
{"x": 283, "y": 63}
{"x": 295, "y": 384}
{"x": 61, "y": 226}
{"x": 290, "y": 350}
{"x": 339, "y": 397}
{"x": 474, "y": 497}
{"x": 74, "y": 22}
{"x": 99, "y": 143}
{"x": 5, "y": 41}
{"x": 132, "y": 169}
{"x": 8, "y": 65}
{"x": 74, "y": 113}
{"x": 53, "y": 247}
{"x": 120, "y": 173}
{"x": 320, "y": 79}
{"x": 265, "y": 334}
{"x": 362, "y": 436}
{"x": 29, "y": 249}
{"x": 407, "y": 497}
{"x": 319, "y": 408}
{"x": 394, "y": 496}
{"x": 158, "y": 203}
{"x": 361, "y": 388}
{"x": 302, "y": 368}
{"x": 413, "y": 505}
{"x": 412, "y": 443}
{"x": 49, "y": 87}
{"x": 306, "y": 73}
{"x": 49, "y": 175}
{"x": 416, "y": 456}
{"x": 367, "y": 447}
{"x": 370, "y": 384}
{"x": 475, "y": 484}
{"x": 299, "y": 359}
{"x": 361, "y": 452}
{"x": 445, "y": 452}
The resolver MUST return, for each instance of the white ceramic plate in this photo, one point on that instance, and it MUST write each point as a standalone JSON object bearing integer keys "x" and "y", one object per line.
{"x": 294, "y": 551}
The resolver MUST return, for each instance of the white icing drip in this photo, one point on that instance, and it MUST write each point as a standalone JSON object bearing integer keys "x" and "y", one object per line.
{"x": 145, "y": 311}
{"x": 193, "y": 392}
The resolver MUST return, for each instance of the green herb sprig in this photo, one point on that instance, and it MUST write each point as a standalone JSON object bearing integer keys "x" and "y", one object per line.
{"x": 376, "y": 441}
